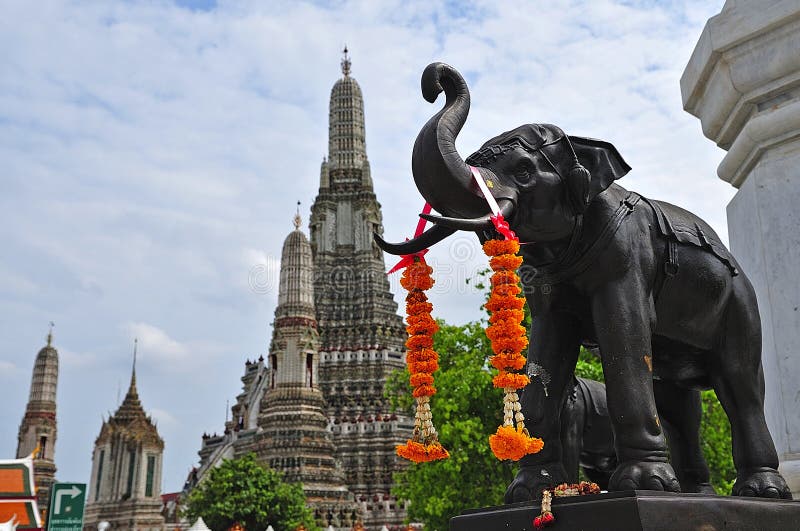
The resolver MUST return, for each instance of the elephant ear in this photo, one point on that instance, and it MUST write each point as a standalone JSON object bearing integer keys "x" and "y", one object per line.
{"x": 602, "y": 160}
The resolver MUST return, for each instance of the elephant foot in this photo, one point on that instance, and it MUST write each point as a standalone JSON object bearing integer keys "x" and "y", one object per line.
{"x": 761, "y": 483}
{"x": 644, "y": 475}
{"x": 532, "y": 480}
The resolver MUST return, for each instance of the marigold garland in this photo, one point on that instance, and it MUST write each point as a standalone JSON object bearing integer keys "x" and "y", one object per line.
{"x": 508, "y": 338}
{"x": 512, "y": 362}
{"x": 422, "y": 362}
{"x": 512, "y": 443}
{"x": 510, "y": 380}
{"x": 421, "y": 379}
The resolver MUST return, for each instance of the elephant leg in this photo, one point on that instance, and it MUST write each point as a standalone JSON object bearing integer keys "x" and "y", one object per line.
{"x": 681, "y": 411}
{"x": 623, "y": 314}
{"x": 598, "y": 458}
{"x": 573, "y": 416}
{"x": 554, "y": 350}
{"x": 738, "y": 379}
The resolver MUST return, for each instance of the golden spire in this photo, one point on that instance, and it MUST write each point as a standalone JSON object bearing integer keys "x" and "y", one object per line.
{"x": 345, "y": 62}
{"x": 131, "y": 406}
{"x": 133, "y": 369}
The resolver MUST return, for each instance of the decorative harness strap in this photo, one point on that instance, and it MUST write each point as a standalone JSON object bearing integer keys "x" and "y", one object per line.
{"x": 678, "y": 233}
{"x": 574, "y": 262}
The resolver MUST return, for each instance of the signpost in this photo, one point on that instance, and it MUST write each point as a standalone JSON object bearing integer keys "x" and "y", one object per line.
{"x": 66, "y": 507}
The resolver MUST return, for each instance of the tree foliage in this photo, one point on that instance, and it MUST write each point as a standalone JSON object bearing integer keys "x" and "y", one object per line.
{"x": 245, "y": 491}
{"x": 589, "y": 366}
{"x": 715, "y": 438}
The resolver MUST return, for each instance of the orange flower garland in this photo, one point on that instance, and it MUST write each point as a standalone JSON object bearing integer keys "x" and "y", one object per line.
{"x": 422, "y": 362}
{"x": 508, "y": 339}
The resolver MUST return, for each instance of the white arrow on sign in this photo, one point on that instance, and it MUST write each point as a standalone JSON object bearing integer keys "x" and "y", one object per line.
{"x": 73, "y": 491}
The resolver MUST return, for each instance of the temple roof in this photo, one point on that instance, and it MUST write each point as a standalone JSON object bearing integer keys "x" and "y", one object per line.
{"x": 131, "y": 408}
{"x": 130, "y": 418}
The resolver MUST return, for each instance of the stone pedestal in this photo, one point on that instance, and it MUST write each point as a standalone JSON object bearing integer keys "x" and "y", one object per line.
{"x": 743, "y": 83}
{"x": 640, "y": 511}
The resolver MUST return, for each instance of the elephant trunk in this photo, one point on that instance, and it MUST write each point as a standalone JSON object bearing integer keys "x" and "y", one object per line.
{"x": 441, "y": 175}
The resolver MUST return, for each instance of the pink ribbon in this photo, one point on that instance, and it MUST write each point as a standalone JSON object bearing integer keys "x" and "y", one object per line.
{"x": 408, "y": 259}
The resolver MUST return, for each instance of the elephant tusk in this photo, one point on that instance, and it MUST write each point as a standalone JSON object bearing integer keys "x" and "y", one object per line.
{"x": 427, "y": 239}
{"x": 474, "y": 224}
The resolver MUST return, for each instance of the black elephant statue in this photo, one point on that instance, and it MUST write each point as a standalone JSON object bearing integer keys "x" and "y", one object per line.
{"x": 648, "y": 283}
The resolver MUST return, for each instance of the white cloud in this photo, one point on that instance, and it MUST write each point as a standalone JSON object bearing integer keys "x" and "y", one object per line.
{"x": 163, "y": 418}
{"x": 16, "y": 285}
{"x": 76, "y": 359}
{"x": 7, "y": 368}
{"x": 157, "y": 350}
{"x": 261, "y": 274}
{"x": 155, "y": 344}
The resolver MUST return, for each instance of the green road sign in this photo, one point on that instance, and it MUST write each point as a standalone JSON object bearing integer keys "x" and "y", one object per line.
{"x": 66, "y": 507}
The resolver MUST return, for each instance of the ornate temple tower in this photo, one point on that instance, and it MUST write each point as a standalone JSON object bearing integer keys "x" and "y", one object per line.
{"x": 294, "y": 436}
{"x": 362, "y": 336}
{"x": 38, "y": 426}
{"x": 125, "y": 485}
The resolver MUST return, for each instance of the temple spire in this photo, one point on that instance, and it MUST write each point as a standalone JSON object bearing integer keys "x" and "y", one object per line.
{"x": 38, "y": 426}
{"x": 133, "y": 369}
{"x": 297, "y": 219}
{"x": 292, "y": 405}
{"x": 347, "y": 148}
{"x": 125, "y": 485}
{"x": 131, "y": 406}
{"x": 345, "y": 62}
{"x": 296, "y": 288}
{"x": 356, "y": 312}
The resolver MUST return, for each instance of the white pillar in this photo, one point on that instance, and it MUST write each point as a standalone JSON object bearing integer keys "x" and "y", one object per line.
{"x": 743, "y": 83}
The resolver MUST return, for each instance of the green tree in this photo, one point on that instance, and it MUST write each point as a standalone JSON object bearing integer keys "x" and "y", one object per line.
{"x": 245, "y": 491}
{"x": 715, "y": 438}
{"x": 589, "y": 366}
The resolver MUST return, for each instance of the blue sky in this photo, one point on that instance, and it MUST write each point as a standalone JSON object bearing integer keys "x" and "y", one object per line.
{"x": 151, "y": 155}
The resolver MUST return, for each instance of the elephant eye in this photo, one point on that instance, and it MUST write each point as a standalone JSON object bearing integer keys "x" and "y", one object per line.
{"x": 523, "y": 172}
